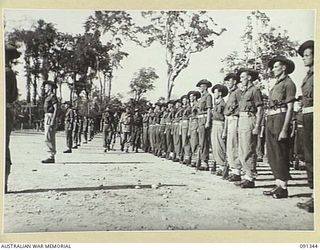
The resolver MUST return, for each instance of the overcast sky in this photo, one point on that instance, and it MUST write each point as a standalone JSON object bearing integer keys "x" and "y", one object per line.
{"x": 299, "y": 23}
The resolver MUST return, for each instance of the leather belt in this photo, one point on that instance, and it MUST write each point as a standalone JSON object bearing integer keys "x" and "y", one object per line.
{"x": 277, "y": 111}
{"x": 176, "y": 123}
{"x": 246, "y": 114}
{"x": 185, "y": 121}
{"x": 307, "y": 110}
{"x": 168, "y": 123}
{"x": 202, "y": 116}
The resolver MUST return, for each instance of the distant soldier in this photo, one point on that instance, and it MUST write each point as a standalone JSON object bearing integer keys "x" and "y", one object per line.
{"x": 107, "y": 128}
{"x": 230, "y": 131}
{"x": 217, "y": 142}
{"x": 145, "y": 121}
{"x": 68, "y": 126}
{"x": 85, "y": 128}
{"x": 80, "y": 121}
{"x": 176, "y": 131}
{"x": 193, "y": 127}
{"x": 306, "y": 51}
{"x": 116, "y": 132}
{"x": 50, "y": 109}
{"x": 297, "y": 135}
{"x": 168, "y": 130}
{"x": 11, "y": 53}
{"x": 184, "y": 126}
{"x": 90, "y": 129}
{"x": 125, "y": 129}
{"x": 250, "y": 107}
{"x": 204, "y": 118}
{"x": 151, "y": 130}
{"x": 136, "y": 130}
{"x": 76, "y": 128}
{"x": 157, "y": 118}
{"x": 162, "y": 131}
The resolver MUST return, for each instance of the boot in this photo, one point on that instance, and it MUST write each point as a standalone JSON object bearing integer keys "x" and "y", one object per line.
{"x": 49, "y": 160}
{"x": 213, "y": 169}
{"x": 225, "y": 172}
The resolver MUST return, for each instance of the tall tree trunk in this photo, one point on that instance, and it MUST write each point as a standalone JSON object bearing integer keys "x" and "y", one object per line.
{"x": 28, "y": 87}
{"x": 34, "y": 96}
{"x": 101, "y": 87}
{"x": 169, "y": 86}
{"x": 109, "y": 86}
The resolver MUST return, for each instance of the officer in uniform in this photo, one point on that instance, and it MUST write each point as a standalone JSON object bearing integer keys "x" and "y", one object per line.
{"x": 68, "y": 125}
{"x": 230, "y": 132}
{"x": 137, "y": 124}
{"x": 75, "y": 128}
{"x": 157, "y": 118}
{"x": 151, "y": 130}
{"x": 176, "y": 131}
{"x": 217, "y": 143}
{"x": 80, "y": 121}
{"x": 184, "y": 124}
{"x": 163, "y": 144}
{"x": 306, "y": 51}
{"x": 11, "y": 53}
{"x": 125, "y": 129}
{"x": 116, "y": 132}
{"x": 193, "y": 127}
{"x": 50, "y": 109}
{"x": 85, "y": 129}
{"x": 107, "y": 128}
{"x": 169, "y": 128}
{"x": 281, "y": 100}
{"x": 250, "y": 107}
{"x": 145, "y": 121}
{"x": 204, "y": 118}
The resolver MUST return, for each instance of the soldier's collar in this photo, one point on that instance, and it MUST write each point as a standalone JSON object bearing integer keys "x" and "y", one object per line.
{"x": 282, "y": 79}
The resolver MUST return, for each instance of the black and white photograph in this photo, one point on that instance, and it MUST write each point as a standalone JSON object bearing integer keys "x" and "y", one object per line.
{"x": 158, "y": 120}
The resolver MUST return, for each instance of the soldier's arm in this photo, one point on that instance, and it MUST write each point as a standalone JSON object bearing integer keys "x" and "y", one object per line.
{"x": 225, "y": 128}
{"x": 209, "y": 108}
{"x": 54, "y": 116}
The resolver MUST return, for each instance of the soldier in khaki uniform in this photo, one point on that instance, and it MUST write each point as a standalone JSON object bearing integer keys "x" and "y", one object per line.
{"x": 11, "y": 53}
{"x": 217, "y": 142}
{"x": 168, "y": 130}
{"x": 151, "y": 130}
{"x": 125, "y": 129}
{"x": 281, "y": 100}
{"x": 230, "y": 132}
{"x": 204, "y": 118}
{"x": 306, "y": 51}
{"x": 193, "y": 127}
{"x": 176, "y": 131}
{"x": 146, "y": 139}
{"x": 250, "y": 107}
{"x": 75, "y": 128}
{"x": 156, "y": 131}
{"x": 136, "y": 130}
{"x": 162, "y": 131}
{"x": 107, "y": 128}
{"x": 68, "y": 125}
{"x": 50, "y": 109}
{"x": 184, "y": 124}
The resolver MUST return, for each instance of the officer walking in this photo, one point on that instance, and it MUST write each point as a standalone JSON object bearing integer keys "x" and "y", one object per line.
{"x": 306, "y": 51}
{"x": 230, "y": 132}
{"x": 68, "y": 126}
{"x": 204, "y": 118}
{"x": 50, "y": 109}
{"x": 250, "y": 107}
{"x": 217, "y": 142}
{"x": 11, "y": 53}
{"x": 281, "y": 100}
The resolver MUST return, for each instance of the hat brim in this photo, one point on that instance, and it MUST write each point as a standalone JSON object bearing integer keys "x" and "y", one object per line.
{"x": 253, "y": 73}
{"x": 223, "y": 89}
{"x": 290, "y": 64}
{"x": 195, "y": 93}
{"x": 306, "y": 45}
{"x": 233, "y": 76}
{"x": 209, "y": 84}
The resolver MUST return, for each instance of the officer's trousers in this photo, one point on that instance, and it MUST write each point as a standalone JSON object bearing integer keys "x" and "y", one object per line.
{"x": 79, "y": 136}
{"x": 247, "y": 145}
{"x": 232, "y": 149}
{"x": 176, "y": 139}
{"x": 278, "y": 151}
{"x": 69, "y": 138}
{"x": 75, "y": 137}
{"x": 152, "y": 136}
{"x": 194, "y": 140}
{"x": 85, "y": 136}
{"x": 125, "y": 140}
{"x": 163, "y": 143}
{"x": 157, "y": 137}
{"x": 107, "y": 136}
{"x": 136, "y": 137}
{"x": 217, "y": 143}
{"x": 145, "y": 138}
{"x": 50, "y": 135}
{"x": 204, "y": 139}
{"x": 186, "y": 148}
{"x": 308, "y": 146}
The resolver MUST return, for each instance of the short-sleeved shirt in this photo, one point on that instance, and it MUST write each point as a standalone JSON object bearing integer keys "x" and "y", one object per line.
{"x": 186, "y": 112}
{"x": 126, "y": 122}
{"x": 178, "y": 114}
{"x": 283, "y": 92}
{"x": 11, "y": 86}
{"x": 307, "y": 90}
{"x": 49, "y": 102}
{"x": 194, "y": 110}
{"x": 232, "y": 104}
{"x": 218, "y": 110}
{"x": 251, "y": 99}
{"x": 157, "y": 117}
{"x": 204, "y": 103}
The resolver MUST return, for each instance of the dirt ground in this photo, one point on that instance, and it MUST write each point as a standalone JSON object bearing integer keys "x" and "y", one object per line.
{"x": 90, "y": 190}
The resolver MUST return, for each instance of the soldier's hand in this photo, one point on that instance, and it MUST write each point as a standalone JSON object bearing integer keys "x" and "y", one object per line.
{"x": 255, "y": 131}
{"x": 282, "y": 135}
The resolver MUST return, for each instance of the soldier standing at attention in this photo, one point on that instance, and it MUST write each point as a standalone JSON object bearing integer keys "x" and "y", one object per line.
{"x": 250, "y": 107}
{"x": 193, "y": 127}
{"x": 217, "y": 142}
{"x": 156, "y": 129}
{"x": 80, "y": 121}
{"x": 306, "y": 51}
{"x": 281, "y": 100}
{"x": 107, "y": 129}
{"x": 151, "y": 130}
{"x": 184, "y": 126}
{"x": 176, "y": 131}
{"x": 163, "y": 144}
{"x": 145, "y": 138}
{"x": 75, "y": 128}
{"x": 136, "y": 130}
{"x": 204, "y": 118}
{"x": 50, "y": 109}
{"x": 85, "y": 129}
{"x": 125, "y": 129}
{"x": 68, "y": 126}
{"x": 11, "y": 53}
{"x": 116, "y": 132}
{"x": 230, "y": 132}
{"x": 168, "y": 130}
